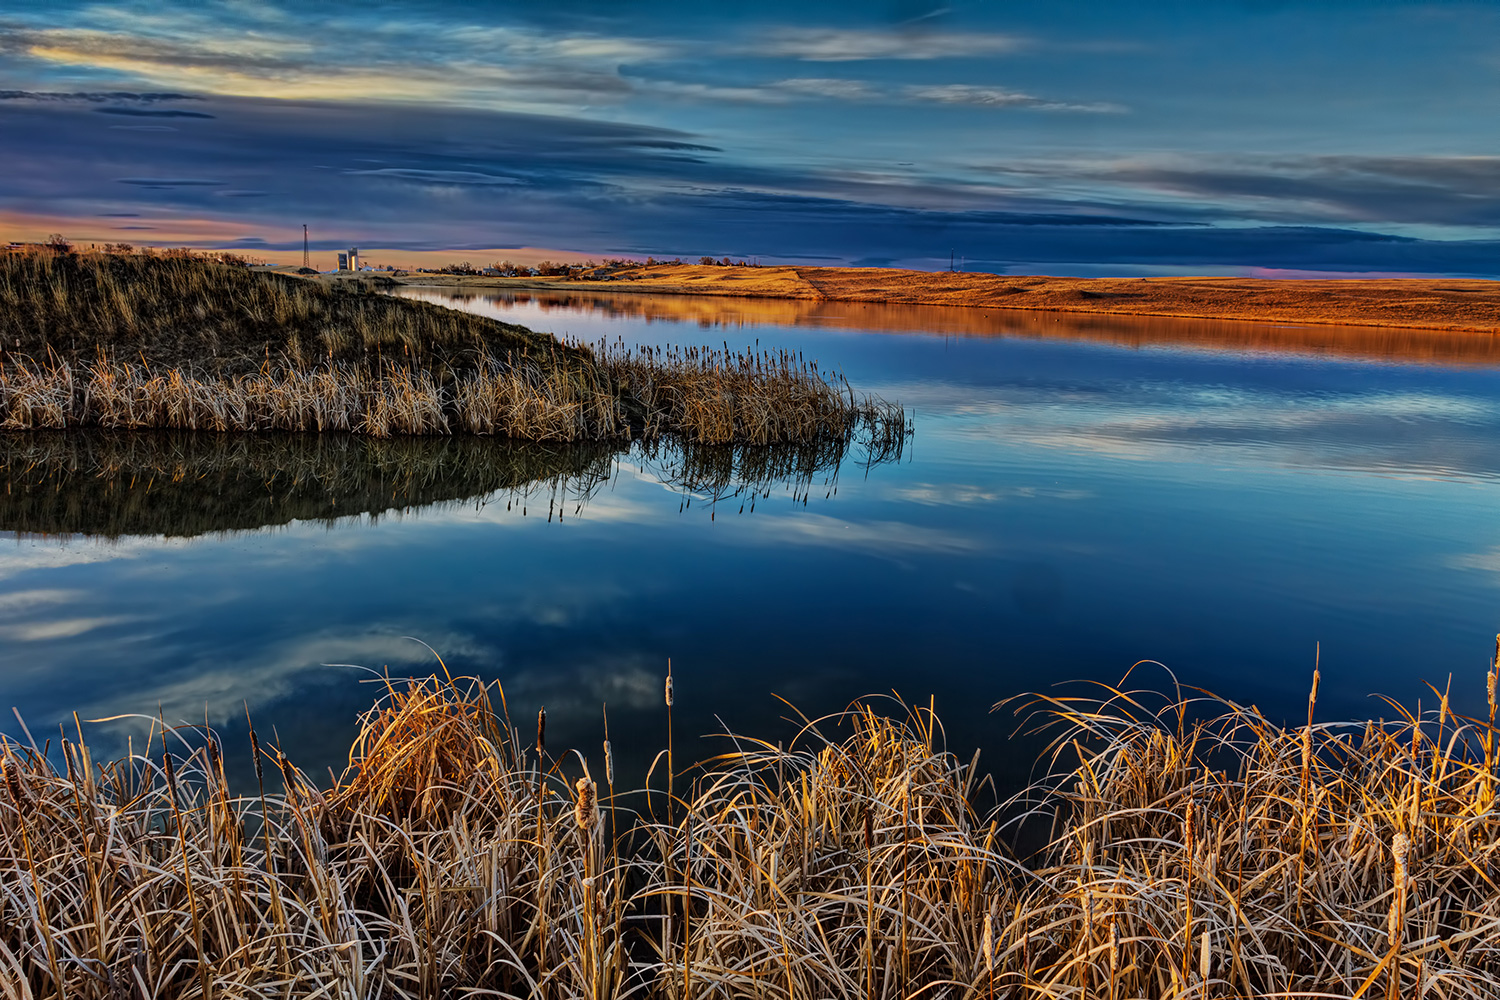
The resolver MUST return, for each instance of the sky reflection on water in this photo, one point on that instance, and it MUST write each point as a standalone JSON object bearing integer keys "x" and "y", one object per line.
{"x": 1067, "y": 507}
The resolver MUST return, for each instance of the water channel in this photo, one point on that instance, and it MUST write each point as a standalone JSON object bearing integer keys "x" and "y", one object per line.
{"x": 1079, "y": 494}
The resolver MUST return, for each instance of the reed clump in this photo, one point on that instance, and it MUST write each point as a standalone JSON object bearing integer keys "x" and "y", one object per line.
{"x": 620, "y": 394}
{"x": 135, "y": 342}
{"x": 1188, "y": 849}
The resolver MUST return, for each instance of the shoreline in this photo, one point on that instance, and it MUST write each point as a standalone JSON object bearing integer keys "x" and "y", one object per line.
{"x": 1206, "y": 843}
{"x": 1467, "y": 305}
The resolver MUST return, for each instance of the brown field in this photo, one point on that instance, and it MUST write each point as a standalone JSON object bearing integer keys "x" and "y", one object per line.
{"x": 1372, "y": 343}
{"x": 1423, "y": 303}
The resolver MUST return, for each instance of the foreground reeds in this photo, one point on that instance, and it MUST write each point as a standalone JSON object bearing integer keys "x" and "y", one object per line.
{"x": 179, "y": 343}
{"x": 1194, "y": 849}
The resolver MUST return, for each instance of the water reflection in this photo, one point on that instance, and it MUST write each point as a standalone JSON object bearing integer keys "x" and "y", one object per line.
{"x": 1068, "y": 505}
{"x": 111, "y": 484}
{"x": 725, "y": 312}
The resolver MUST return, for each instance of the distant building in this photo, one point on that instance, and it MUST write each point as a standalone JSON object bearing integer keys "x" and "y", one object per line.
{"x": 354, "y": 258}
{"x": 343, "y": 262}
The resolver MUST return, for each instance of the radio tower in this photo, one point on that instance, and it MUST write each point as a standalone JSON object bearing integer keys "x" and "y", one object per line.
{"x": 305, "y": 260}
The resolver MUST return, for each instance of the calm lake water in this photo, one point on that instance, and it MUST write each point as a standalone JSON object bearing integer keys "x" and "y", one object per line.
{"x": 1079, "y": 494}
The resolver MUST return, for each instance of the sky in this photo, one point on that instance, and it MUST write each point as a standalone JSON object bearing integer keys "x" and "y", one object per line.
{"x": 1061, "y": 137}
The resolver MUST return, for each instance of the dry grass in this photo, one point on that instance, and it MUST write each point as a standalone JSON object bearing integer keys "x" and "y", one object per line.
{"x": 706, "y": 397}
{"x": 180, "y": 343}
{"x": 1423, "y": 303}
{"x": 1196, "y": 850}
{"x": 182, "y": 311}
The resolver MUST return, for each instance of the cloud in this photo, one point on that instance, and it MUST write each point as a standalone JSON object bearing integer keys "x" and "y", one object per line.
{"x": 169, "y": 182}
{"x": 849, "y": 45}
{"x": 1440, "y": 190}
{"x": 459, "y": 177}
{"x": 63, "y": 628}
{"x": 872, "y": 537}
{"x": 456, "y": 63}
{"x": 428, "y": 178}
{"x": 843, "y": 90}
{"x": 153, "y": 113}
{"x": 995, "y": 97}
{"x": 95, "y": 97}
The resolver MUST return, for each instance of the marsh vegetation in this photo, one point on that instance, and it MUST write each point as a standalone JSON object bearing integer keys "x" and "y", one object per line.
{"x": 103, "y": 340}
{"x": 1184, "y": 847}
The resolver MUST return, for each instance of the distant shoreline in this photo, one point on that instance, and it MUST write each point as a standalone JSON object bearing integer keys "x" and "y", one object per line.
{"x": 1455, "y": 305}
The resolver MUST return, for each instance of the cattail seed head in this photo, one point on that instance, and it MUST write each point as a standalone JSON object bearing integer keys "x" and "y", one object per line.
{"x": 541, "y": 732}
{"x": 214, "y": 756}
{"x": 255, "y": 753}
{"x": 17, "y": 789}
{"x": 1205, "y": 958}
{"x": 609, "y": 763}
{"x": 987, "y": 944}
{"x": 1399, "y": 847}
{"x": 668, "y": 691}
{"x": 586, "y": 809}
{"x": 170, "y": 769}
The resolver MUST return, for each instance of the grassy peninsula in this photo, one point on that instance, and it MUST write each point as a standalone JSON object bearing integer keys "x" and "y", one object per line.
{"x": 174, "y": 341}
{"x": 1418, "y": 303}
{"x": 1186, "y": 848}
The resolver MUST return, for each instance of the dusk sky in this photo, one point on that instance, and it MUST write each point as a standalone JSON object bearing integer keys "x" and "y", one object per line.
{"x": 1058, "y": 137}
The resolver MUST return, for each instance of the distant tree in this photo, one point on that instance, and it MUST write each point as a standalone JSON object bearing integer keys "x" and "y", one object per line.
{"x": 650, "y": 261}
{"x": 118, "y": 248}
{"x": 707, "y": 261}
{"x": 724, "y": 262}
{"x": 58, "y": 243}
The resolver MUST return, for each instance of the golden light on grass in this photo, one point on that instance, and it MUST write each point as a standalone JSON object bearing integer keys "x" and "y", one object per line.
{"x": 137, "y": 342}
{"x": 854, "y": 862}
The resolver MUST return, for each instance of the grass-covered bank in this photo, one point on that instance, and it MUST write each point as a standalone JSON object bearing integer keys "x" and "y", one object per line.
{"x": 1193, "y": 849}
{"x": 148, "y": 341}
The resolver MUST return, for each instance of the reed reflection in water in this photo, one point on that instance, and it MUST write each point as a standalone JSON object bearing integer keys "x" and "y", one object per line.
{"x": 113, "y": 484}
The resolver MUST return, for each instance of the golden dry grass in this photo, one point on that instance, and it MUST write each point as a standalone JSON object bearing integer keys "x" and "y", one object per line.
{"x": 181, "y": 343}
{"x": 615, "y": 394}
{"x": 1430, "y": 303}
{"x": 1196, "y": 849}
{"x": 185, "y": 311}
{"x": 987, "y": 321}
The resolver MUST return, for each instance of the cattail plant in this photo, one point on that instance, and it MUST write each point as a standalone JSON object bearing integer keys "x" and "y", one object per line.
{"x": 853, "y": 860}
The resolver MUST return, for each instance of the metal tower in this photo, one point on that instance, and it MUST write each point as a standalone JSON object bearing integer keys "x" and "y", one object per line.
{"x": 305, "y": 260}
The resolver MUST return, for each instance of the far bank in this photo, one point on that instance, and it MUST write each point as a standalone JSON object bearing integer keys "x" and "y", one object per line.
{"x": 1461, "y": 305}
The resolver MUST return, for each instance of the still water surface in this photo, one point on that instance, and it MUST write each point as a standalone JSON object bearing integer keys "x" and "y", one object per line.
{"x": 1079, "y": 494}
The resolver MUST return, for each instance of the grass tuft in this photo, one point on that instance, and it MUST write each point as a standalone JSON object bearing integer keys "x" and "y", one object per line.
{"x": 1194, "y": 849}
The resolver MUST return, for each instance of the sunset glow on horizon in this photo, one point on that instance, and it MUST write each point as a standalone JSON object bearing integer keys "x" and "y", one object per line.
{"x": 1068, "y": 138}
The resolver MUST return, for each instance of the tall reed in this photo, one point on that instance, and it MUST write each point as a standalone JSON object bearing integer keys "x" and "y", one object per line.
{"x": 453, "y": 857}
{"x": 618, "y": 395}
